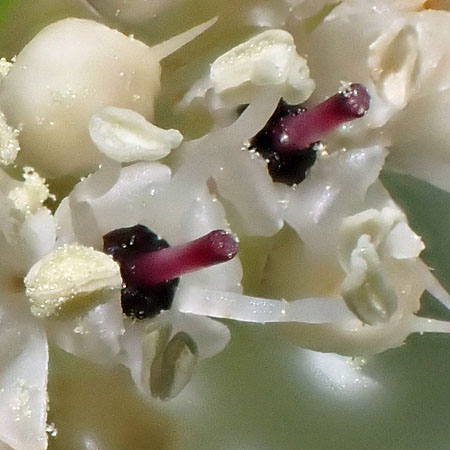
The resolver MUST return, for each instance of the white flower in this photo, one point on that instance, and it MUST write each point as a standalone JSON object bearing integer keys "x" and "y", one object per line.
{"x": 352, "y": 250}
{"x": 400, "y": 53}
{"x": 143, "y": 193}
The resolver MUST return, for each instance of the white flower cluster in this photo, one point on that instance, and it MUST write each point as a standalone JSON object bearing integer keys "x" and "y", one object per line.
{"x": 337, "y": 267}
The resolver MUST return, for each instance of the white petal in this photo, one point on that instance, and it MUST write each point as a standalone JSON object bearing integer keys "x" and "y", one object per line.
{"x": 228, "y": 305}
{"x": 95, "y": 336}
{"x": 403, "y": 243}
{"x": 23, "y": 378}
{"x": 335, "y": 188}
{"x": 210, "y": 335}
{"x": 37, "y": 236}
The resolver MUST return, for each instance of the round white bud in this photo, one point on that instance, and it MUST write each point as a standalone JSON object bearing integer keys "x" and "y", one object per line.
{"x": 69, "y": 71}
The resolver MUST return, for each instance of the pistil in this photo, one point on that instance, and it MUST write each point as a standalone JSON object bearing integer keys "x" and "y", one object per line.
{"x": 288, "y": 140}
{"x": 301, "y": 130}
{"x": 150, "y": 268}
{"x": 169, "y": 263}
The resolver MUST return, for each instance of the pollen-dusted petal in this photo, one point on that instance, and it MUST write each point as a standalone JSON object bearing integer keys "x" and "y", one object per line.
{"x": 68, "y": 276}
{"x": 270, "y": 58}
{"x": 29, "y": 197}
{"x": 126, "y": 136}
{"x": 9, "y": 144}
{"x": 231, "y": 305}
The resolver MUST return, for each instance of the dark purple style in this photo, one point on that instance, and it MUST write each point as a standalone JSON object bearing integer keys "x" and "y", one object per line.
{"x": 288, "y": 139}
{"x": 150, "y": 267}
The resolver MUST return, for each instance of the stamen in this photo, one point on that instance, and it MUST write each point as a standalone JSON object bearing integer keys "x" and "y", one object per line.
{"x": 301, "y": 130}
{"x": 150, "y": 268}
{"x": 166, "y": 264}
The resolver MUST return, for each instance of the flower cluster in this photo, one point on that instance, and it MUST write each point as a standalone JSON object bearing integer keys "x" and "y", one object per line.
{"x": 139, "y": 260}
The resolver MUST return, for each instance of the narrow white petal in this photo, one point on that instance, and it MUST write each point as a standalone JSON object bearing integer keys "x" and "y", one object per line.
{"x": 227, "y": 305}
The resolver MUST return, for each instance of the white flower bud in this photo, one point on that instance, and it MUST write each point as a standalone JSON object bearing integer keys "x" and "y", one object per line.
{"x": 69, "y": 71}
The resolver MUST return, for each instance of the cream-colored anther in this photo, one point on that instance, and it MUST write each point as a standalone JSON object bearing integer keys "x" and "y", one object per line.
{"x": 126, "y": 136}
{"x": 30, "y": 196}
{"x": 9, "y": 143}
{"x": 5, "y": 66}
{"x": 268, "y": 59}
{"x": 71, "y": 275}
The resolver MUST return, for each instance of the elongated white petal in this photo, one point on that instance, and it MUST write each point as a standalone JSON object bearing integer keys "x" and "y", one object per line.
{"x": 226, "y": 305}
